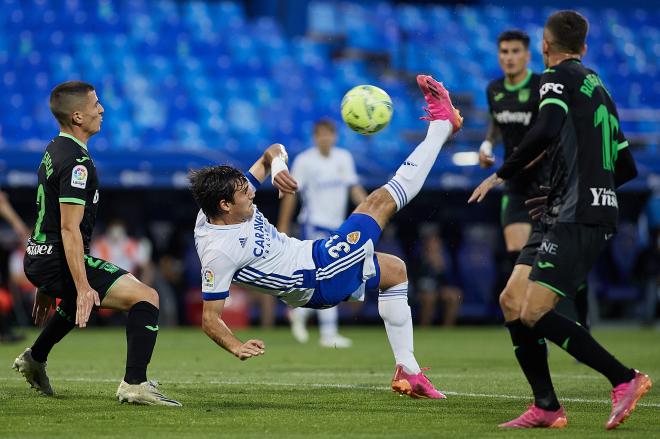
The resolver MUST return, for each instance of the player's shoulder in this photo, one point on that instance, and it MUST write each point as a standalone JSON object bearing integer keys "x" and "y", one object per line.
{"x": 63, "y": 149}
{"x": 305, "y": 154}
{"x": 496, "y": 85}
{"x": 535, "y": 79}
{"x": 343, "y": 153}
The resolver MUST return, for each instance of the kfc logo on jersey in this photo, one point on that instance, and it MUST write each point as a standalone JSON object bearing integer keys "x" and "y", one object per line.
{"x": 551, "y": 86}
{"x": 79, "y": 177}
{"x": 208, "y": 279}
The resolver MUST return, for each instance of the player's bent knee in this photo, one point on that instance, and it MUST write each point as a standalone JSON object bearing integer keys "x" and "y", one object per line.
{"x": 530, "y": 315}
{"x": 509, "y": 303}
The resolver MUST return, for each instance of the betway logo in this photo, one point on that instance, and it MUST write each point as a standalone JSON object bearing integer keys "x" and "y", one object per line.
{"x": 603, "y": 197}
{"x": 523, "y": 117}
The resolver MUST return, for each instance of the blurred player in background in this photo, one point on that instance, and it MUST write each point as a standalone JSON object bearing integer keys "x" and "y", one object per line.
{"x": 236, "y": 243}
{"x": 578, "y": 127}
{"x": 326, "y": 176}
{"x": 8, "y": 213}
{"x": 57, "y": 257}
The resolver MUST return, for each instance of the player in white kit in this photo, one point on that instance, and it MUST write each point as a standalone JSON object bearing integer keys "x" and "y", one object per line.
{"x": 325, "y": 175}
{"x": 236, "y": 243}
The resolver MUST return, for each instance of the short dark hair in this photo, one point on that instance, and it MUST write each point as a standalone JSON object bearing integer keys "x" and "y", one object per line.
{"x": 569, "y": 31}
{"x": 213, "y": 184}
{"x": 514, "y": 35}
{"x": 325, "y": 123}
{"x": 65, "y": 98}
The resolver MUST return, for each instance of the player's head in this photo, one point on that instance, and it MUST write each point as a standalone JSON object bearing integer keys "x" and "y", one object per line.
{"x": 223, "y": 193}
{"x": 74, "y": 103}
{"x": 325, "y": 135}
{"x": 565, "y": 33}
{"x": 513, "y": 51}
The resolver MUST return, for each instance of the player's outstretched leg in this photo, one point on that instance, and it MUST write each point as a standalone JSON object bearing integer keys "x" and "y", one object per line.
{"x": 32, "y": 362}
{"x": 394, "y": 310}
{"x": 628, "y": 385}
{"x": 141, "y": 302}
{"x": 444, "y": 120}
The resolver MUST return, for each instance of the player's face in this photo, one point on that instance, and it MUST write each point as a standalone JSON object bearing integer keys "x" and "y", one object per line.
{"x": 243, "y": 206}
{"x": 513, "y": 57}
{"x": 91, "y": 114}
{"x": 325, "y": 139}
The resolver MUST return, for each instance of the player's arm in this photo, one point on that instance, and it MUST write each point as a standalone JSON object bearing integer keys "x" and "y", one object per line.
{"x": 71, "y": 216}
{"x": 9, "y": 214}
{"x": 274, "y": 161}
{"x": 220, "y": 333}
{"x": 545, "y": 130}
{"x": 624, "y": 167}
{"x": 486, "y": 158}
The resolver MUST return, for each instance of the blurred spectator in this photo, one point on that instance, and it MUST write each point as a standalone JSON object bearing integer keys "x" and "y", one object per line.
{"x": 6, "y": 300}
{"x": 436, "y": 280}
{"x": 134, "y": 254}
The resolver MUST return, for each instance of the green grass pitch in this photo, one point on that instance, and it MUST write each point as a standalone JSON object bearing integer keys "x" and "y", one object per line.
{"x": 306, "y": 391}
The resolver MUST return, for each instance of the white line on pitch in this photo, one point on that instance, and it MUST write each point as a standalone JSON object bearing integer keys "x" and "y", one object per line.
{"x": 338, "y": 386}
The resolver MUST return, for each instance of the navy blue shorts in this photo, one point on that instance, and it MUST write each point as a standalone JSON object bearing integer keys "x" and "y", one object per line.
{"x": 346, "y": 264}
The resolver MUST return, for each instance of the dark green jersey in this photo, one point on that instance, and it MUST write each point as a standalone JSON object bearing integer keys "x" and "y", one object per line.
{"x": 66, "y": 175}
{"x": 514, "y": 109}
{"x": 585, "y": 152}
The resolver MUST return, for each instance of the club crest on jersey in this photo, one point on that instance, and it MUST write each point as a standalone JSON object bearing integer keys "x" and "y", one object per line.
{"x": 523, "y": 95}
{"x": 242, "y": 241}
{"x": 353, "y": 237}
{"x": 79, "y": 177}
{"x": 208, "y": 279}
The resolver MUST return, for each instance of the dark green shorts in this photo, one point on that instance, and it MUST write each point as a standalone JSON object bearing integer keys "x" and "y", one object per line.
{"x": 528, "y": 253}
{"x": 566, "y": 255}
{"x": 50, "y": 273}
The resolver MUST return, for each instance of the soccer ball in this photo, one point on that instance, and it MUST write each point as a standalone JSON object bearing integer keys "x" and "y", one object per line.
{"x": 366, "y": 109}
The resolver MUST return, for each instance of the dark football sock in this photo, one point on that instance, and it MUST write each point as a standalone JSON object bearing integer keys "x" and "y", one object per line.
{"x": 62, "y": 322}
{"x": 582, "y": 305}
{"x": 513, "y": 257}
{"x": 531, "y": 352}
{"x": 575, "y": 340}
{"x": 141, "y": 332}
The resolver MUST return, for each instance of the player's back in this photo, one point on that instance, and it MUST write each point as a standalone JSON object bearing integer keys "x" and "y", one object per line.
{"x": 585, "y": 153}
{"x": 66, "y": 175}
{"x": 255, "y": 254}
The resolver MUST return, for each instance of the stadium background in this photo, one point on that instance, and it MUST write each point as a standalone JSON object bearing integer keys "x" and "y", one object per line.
{"x": 191, "y": 83}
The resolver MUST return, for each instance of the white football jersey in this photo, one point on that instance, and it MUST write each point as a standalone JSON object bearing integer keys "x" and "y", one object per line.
{"x": 254, "y": 254}
{"x": 324, "y": 184}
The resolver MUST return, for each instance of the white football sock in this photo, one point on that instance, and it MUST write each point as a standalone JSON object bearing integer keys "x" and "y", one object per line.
{"x": 410, "y": 177}
{"x": 395, "y": 312}
{"x": 328, "y": 322}
{"x": 303, "y": 313}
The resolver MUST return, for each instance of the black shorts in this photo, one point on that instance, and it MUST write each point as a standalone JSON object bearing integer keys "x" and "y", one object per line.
{"x": 49, "y": 272}
{"x": 566, "y": 255}
{"x": 528, "y": 253}
{"x": 513, "y": 209}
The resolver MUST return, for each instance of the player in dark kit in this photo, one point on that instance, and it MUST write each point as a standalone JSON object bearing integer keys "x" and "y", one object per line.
{"x": 513, "y": 103}
{"x": 57, "y": 256}
{"x": 578, "y": 127}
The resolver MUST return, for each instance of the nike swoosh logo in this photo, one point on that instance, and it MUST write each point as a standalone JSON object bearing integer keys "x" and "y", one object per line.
{"x": 544, "y": 265}
{"x": 152, "y": 328}
{"x": 83, "y": 160}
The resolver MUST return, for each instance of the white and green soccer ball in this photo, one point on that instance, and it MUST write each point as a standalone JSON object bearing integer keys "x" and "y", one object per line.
{"x": 366, "y": 109}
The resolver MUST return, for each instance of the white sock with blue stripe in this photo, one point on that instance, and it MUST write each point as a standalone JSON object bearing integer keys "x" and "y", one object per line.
{"x": 410, "y": 177}
{"x": 395, "y": 312}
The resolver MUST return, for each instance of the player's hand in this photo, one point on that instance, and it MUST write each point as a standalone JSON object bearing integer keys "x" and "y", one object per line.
{"x": 41, "y": 308}
{"x": 486, "y": 160}
{"x": 87, "y": 298}
{"x": 538, "y": 205}
{"x": 285, "y": 183}
{"x": 480, "y": 192}
{"x": 249, "y": 349}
